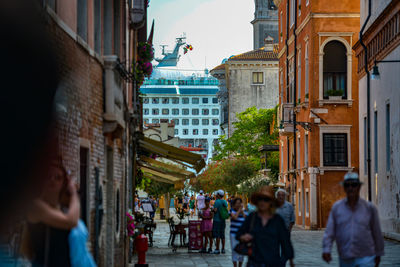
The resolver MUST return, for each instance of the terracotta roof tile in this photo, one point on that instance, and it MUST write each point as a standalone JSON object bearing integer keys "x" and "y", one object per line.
{"x": 258, "y": 54}
{"x": 219, "y": 67}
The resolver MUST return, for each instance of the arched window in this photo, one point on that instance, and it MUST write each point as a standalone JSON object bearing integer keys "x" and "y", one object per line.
{"x": 335, "y": 70}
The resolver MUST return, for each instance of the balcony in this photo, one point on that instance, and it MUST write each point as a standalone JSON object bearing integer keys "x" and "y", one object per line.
{"x": 113, "y": 96}
{"x": 286, "y": 119}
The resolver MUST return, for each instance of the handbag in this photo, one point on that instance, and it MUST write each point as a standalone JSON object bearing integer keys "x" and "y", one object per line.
{"x": 246, "y": 248}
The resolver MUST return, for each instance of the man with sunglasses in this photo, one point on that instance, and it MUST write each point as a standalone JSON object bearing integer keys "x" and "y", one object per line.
{"x": 354, "y": 224}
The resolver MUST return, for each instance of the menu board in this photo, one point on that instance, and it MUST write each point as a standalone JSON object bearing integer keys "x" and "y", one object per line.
{"x": 195, "y": 236}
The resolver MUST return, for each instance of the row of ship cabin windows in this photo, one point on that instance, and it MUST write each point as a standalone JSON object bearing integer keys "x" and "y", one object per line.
{"x": 214, "y": 122}
{"x": 175, "y": 111}
{"x": 196, "y": 131}
{"x": 176, "y": 100}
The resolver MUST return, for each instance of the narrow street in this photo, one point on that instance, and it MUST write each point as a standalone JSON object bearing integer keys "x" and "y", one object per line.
{"x": 307, "y": 245}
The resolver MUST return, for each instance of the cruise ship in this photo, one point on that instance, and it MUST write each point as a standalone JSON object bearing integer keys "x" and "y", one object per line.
{"x": 188, "y": 98}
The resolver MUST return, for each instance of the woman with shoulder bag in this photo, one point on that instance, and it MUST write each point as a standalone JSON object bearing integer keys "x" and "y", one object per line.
{"x": 265, "y": 234}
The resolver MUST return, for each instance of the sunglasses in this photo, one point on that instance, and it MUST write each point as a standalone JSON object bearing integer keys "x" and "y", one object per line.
{"x": 353, "y": 185}
{"x": 266, "y": 199}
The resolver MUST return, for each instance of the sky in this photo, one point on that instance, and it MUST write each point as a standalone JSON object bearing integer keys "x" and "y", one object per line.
{"x": 216, "y": 29}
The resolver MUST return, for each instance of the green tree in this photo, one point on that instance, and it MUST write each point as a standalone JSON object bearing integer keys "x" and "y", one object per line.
{"x": 253, "y": 128}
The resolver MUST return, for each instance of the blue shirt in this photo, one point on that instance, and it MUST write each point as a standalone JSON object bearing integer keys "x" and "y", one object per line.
{"x": 286, "y": 211}
{"x": 219, "y": 203}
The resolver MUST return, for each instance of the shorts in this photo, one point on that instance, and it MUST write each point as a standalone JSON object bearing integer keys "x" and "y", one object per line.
{"x": 368, "y": 261}
{"x": 219, "y": 229}
{"x": 235, "y": 256}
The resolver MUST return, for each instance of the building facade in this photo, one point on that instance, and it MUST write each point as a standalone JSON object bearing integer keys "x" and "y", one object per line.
{"x": 265, "y": 22}
{"x": 318, "y": 111}
{"x": 382, "y": 39}
{"x": 93, "y": 99}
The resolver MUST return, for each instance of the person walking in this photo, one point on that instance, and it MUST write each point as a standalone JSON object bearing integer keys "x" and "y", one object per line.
{"x": 354, "y": 224}
{"x": 238, "y": 216}
{"x": 271, "y": 245}
{"x": 192, "y": 206}
{"x": 206, "y": 226}
{"x": 200, "y": 202}
{"x": 285, "y": 209}
{"x": 219, "y": 223}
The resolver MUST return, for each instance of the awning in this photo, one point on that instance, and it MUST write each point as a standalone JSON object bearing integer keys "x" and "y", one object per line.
{"x": 160, "y": 176}
{"x": 180, "y": 156}
{"x": 166, "y": 168}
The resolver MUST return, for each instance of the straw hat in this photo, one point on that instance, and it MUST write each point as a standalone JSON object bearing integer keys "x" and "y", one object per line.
{"x": 263, "y": 192}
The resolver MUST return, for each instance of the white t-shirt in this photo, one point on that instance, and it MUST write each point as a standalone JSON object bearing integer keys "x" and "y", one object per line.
{"x": 200, "y": 202}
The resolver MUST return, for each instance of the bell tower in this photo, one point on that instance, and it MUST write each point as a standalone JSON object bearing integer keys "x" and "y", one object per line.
{"x": 265, "y": 22}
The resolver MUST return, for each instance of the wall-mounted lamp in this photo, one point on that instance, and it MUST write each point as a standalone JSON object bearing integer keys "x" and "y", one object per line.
{"x": 375, "y": 75}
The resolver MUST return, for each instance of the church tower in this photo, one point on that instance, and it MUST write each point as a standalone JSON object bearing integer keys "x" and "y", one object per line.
{"x": 265, "y": 22}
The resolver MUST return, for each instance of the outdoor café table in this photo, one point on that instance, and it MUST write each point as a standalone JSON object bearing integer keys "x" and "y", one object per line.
{"x": 149, "y": 227}
{"x": 181, "y": 231}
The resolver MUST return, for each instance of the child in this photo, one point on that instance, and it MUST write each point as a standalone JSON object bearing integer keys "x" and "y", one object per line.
{"x": 206, "y": 226}
{"x": 238, "y": 215}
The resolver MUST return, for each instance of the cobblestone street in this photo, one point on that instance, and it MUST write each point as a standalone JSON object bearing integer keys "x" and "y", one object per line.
{"x": 307, "y": 245}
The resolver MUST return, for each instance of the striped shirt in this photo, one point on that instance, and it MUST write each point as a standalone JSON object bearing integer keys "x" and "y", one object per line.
{"x": 236, "y": 224}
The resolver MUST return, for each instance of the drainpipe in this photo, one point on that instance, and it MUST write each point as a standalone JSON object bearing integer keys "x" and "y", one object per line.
{"x": 368, "y": 101}
{"x": 287, "y": 77}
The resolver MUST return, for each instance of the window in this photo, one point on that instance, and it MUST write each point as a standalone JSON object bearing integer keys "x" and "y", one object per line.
{"x": 195, "y": 100}
{"x": 205, "y": 122}
{"x": 165, "y": 100}
{"x": 185, "y": 100}
{"x": 82, "y": 18}
{"x": 117, "y": 27}
{"x": 195, "y": 122}
{"x": 175, "y": 111}
{"x": 176, "y": 131}
{"x": 281, "y": 26}
{"x": 298, "y": 153}
{"x": 185, "y": 131}
{"x": 146, "y": 121}
{"x": 155, "y": 111}
{"x": 205, "y": 111}
{"x": 215, "y": 100}
{"x": 215, "y": 122}
{"x": 335, "y": 149}
{"x": 290, "y": 92}
{"x": 215, "y": 132}
{"x": 205, "y": 131}
{"x": 165, "y": 111}
{"x": 307, "y": 2}
{"x": 306, "y": 72}
{"x": 258, "y": 77}
{"x": 146, "y": 100}
{"x": 292, "y": 13}
{"x": 97, "y": 26}
{"x": 299, "y": 76}
{"x": 195, "y": 131}
{"x": 376, "y": 141}
{"x": 176, "y": 121}
{"x": 205, "y": 100}
{"x": 300, "y": 202}
{"x": 281, "y": 84}
{"x": 195, "y": 111}
{"x": 307, "y": 204}
{"x": 146, "y": 111}
{"x": 215, "y": 111}
{"x": 299, "y": 8}
{"x": 365, "y": 146}
{"x": 306, "y": 151}
{"x": 175, "y": 100}
{"x": 185, "y": 121}
{"x": 335, "y": 69}
{"x": 83, "y": 182}
{"x": 387, "y": 137}
{"x": 117, "y": 211}
{"x": 107, "y": 27}
{"x": 185, "y": 111}
{"x": 155, "y": 121}
{"x": 155, "y": 101}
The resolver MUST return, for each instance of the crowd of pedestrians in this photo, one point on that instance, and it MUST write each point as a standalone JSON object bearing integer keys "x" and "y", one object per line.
{"x": 261, "y": 231}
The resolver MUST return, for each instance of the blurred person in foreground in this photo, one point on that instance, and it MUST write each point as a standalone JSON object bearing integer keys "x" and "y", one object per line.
{"x": 238, "y": 216}
{"x": 285, "y": 209}
{"x": 354, "y": 224}
{"x": 29, "y": 77}
{"x": 271, "y": 246}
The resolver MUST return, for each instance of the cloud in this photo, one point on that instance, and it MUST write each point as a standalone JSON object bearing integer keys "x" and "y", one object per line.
{"x": 217, "y": 29}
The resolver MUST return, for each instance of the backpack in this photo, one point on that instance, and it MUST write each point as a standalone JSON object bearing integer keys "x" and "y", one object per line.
{"x": 223, "y": 212}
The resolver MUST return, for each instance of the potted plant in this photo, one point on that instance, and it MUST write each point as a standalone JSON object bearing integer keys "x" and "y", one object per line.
{"x": 307, "y": 96}
{"x": 335, "y": 94}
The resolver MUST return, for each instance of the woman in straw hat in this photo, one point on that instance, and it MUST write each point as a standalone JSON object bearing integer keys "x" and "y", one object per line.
{"x": 267, "y": 233}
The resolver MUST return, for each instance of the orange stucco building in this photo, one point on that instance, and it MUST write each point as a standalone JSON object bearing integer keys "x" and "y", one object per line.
{"x": 318, "y": 96}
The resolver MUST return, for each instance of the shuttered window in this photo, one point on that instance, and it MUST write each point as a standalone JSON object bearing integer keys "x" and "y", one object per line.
{"x": 335, "y": 149}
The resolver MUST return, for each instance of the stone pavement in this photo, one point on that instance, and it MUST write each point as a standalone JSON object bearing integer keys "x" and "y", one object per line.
{"x": 307, "y": 246}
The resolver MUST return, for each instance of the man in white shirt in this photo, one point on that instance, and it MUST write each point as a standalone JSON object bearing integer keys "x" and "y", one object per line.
{"x": 200, "y": 201}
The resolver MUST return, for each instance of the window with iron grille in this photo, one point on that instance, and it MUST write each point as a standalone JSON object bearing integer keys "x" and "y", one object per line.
{"x": 335, "y": 149}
